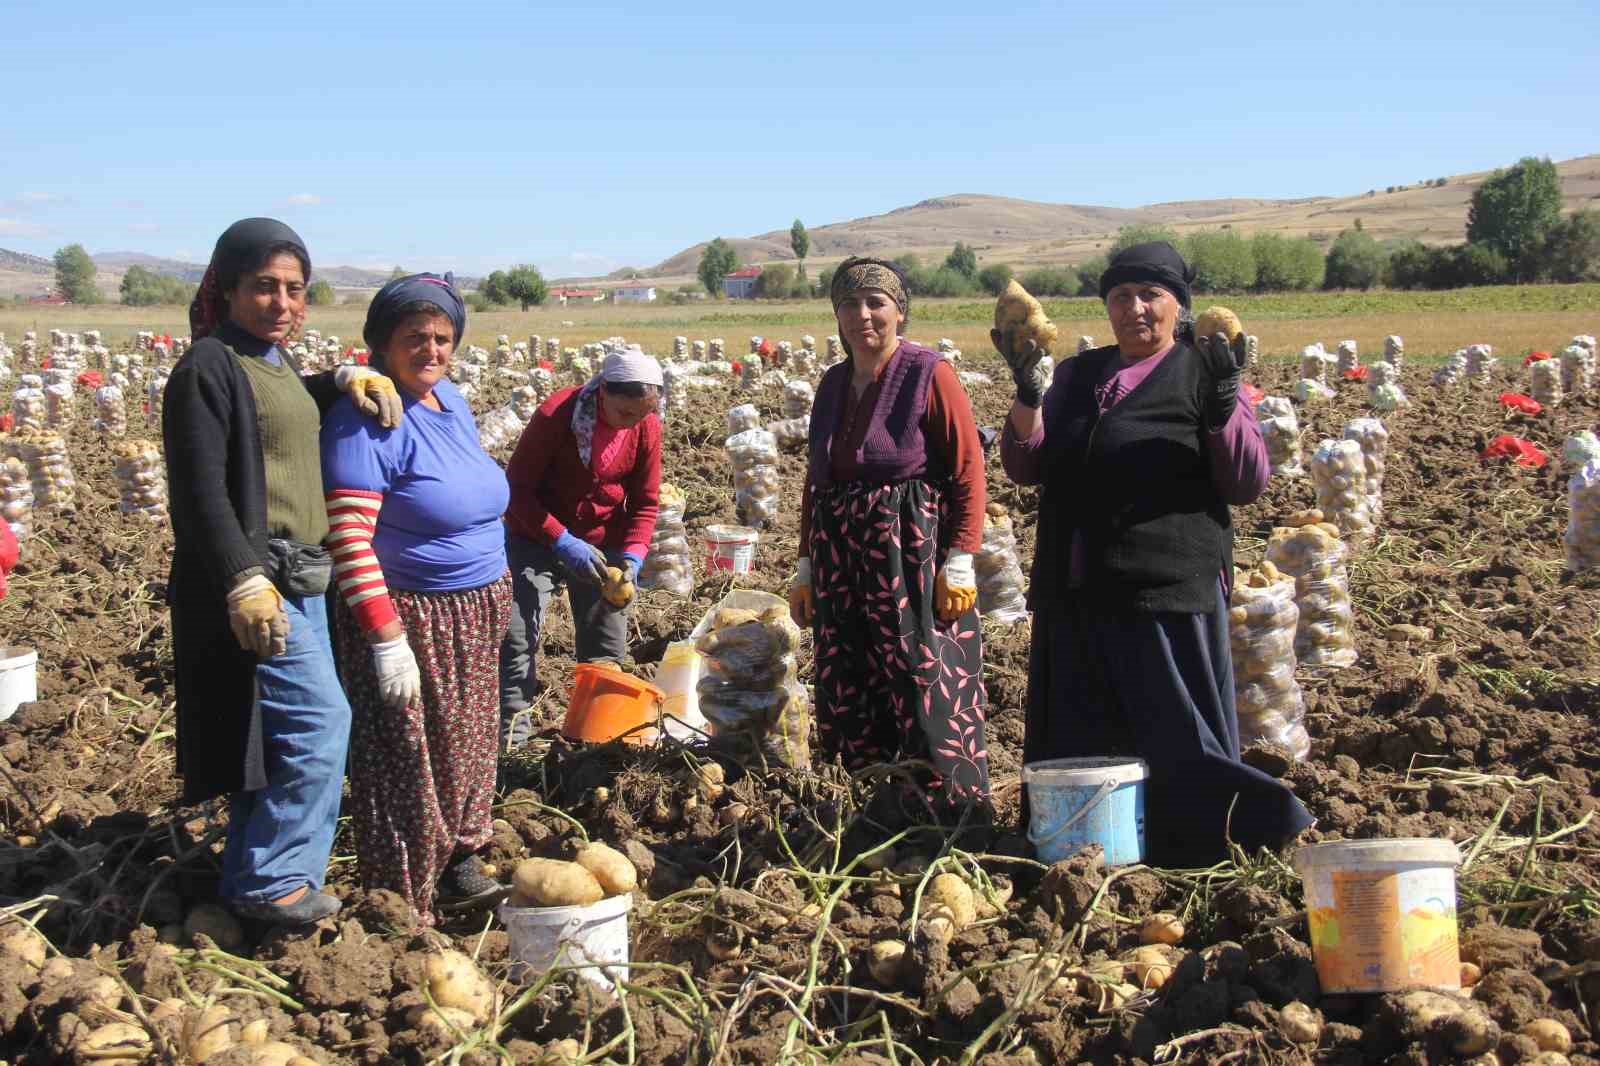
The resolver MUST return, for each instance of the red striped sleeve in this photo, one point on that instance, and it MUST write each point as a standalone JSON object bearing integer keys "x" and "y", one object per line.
{"x": 352, "y": 520}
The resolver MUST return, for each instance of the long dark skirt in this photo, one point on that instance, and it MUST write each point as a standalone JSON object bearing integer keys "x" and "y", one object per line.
{"x": 422, "y": 778}
{"x": 894, "y": 682}
{"x": 1103, "y": 681}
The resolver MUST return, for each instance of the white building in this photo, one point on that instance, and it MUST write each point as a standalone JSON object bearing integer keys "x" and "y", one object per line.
{"x": 637, "y": 293}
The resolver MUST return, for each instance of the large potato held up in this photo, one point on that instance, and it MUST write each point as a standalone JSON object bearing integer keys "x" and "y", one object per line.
{"x": 1016, "y": 312}
{"x": 1217, "y": 319}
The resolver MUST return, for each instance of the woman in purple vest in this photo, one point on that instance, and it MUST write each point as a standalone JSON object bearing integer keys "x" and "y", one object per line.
{"x": 1141, "y": 448}
{"x": 891, "y": 513}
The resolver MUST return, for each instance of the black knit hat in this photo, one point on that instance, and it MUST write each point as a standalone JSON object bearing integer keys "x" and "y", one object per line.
{"x": 1155, "y": 261}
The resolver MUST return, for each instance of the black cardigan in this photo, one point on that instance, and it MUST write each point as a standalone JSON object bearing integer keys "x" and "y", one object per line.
{"x": 217, "y": 497}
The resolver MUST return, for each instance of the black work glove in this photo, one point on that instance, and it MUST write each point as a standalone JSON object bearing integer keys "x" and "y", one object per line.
{"x": 1222, "y": 362}
{"x": 1023, "y": 358}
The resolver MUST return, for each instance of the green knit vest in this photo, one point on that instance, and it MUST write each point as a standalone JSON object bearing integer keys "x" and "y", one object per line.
{"x": 291, "y": 451}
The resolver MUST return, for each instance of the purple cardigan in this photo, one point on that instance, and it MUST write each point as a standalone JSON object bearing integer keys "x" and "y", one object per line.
{"x": 1237, "y": 451}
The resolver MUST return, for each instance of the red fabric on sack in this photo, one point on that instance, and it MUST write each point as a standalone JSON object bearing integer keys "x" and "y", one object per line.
{"x": 1522, "y": 452}
{"x": 9, "y": 550}
{"x": 1526, "y": 404}
{"x": 91, "y": 379}
{"x": 1356, "y": 373}
{"x": 1535, "y": 357}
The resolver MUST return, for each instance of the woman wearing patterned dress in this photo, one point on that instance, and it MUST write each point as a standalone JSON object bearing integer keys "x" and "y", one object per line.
{"x": 424, "y": 597}
{"x": 891, "y": 513}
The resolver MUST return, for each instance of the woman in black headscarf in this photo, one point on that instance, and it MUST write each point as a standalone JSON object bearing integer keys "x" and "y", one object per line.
{"x": 261, "y": 716}
{"x": 1141, "y": 448}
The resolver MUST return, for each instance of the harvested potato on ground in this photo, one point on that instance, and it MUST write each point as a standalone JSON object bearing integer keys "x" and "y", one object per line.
{"x": 886, "y": 962}
{"x": 1309, "y": 517}
{"x": 609, "y": 866}
{"x": 553, "y": 883}
{"x": 206, "y": 1032}
{"x": 21, "y": 942}
{"x": 277, "y": 1053}
{"x": 725, "y": 942}
{"x": 114, "y": 1044}
{"x": 1149, "y": 966}
{"x": 217, "y": 923}
{"x": 1017, "y": 313}
{"x": 1299, "y": 1023}
{"x": 617, "y": 590}
{"x": 255, "y": 1032}
{"x": 1470, "y": 974}
{"x": 1217, "y": 319}
{"x": 102, "y": 990}
{"x": 955, "y": 894}
{"x": 1549, "y": 1034}
{"x": 1161, "y": 928}
{"x": 455, "y": 981}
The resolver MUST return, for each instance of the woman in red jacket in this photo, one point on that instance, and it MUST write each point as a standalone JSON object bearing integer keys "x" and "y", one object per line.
{"x": 585, "y": 482}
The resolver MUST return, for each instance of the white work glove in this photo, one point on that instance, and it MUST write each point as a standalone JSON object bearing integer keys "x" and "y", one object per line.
{"x": 372, "y": 393}
{"x": 955, "y": 590}
{"x": 399, "y": 680}
{"x": 256, "y": 614}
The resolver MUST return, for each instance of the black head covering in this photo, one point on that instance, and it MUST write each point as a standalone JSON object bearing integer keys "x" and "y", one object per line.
{"x": 387, "y": 307}
{"x": 1154, "y": 261}
{"x": 241, "y": 247}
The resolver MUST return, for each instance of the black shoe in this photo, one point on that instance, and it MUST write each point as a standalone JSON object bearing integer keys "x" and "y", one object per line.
{"x": 465, "y": 887}
{"x": 309, "y": 908}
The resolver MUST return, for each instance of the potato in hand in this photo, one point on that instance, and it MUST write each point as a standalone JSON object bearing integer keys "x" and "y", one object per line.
{"x": 617, "y": 590}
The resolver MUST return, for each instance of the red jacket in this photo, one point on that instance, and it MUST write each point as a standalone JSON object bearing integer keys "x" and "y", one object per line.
{"x": 551, "y": 490}
{"x": 9, "y": 551}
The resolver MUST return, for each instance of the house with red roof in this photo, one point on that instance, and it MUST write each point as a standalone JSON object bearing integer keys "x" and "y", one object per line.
{"x": 741, "y": 284}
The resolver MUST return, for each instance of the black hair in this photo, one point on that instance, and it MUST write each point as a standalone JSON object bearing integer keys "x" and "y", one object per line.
{"x": 230, "y": 270}
{"x": 633, "y": 390}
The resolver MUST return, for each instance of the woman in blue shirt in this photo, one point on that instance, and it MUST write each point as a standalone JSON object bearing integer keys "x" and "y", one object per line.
{"x": 424, "y": 599}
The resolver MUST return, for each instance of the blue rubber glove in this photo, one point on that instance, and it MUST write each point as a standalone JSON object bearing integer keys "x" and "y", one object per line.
{"x": 632, "y": 563}
{"x": 582, "y": 560}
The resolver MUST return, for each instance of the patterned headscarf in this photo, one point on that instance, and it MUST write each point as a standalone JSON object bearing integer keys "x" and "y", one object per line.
{"x": 630, "y": 364}
{"x": 863, "y": 272}
{"x": 240, "y": 247}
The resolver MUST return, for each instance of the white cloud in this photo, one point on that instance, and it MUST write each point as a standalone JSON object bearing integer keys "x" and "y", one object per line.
{"x": 143, "y": 227}
{"x": 305, "y": 199}
{"x": 18, "y": 228}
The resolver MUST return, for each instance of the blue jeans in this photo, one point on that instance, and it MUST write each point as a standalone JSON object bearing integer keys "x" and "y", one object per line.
{"x": 279, "y": 837}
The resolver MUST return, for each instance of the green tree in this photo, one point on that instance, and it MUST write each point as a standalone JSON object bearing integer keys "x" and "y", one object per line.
{"x": 945, "y": 281}
{"x": 717, "y": 262}
{"x": 1222, "y": 261}
{"x": 1089, "y": 276}
{"x": 75, "y": 275}
{"x": 775, "y": 282}
{"x": 1513, "y": 210}
{"x": 1051, "y": 281}
{"x": 963, "y": 260}
{"x": 1355, "y": 261}
{"x": 1408, "y": 266}
{"x": 495, "y": 288}
{"x": 142, "y": 287}
{"x": 995, "y": 277}
{"x": 1286, "y": 264}
{"x": 320, "y": 294}
{"x": 397, "y": 272}
{"x": 800, "y": 243}
{"x": 524, "y": 284}
{"x": 1128, "y": 236}
{"x": 824, "y": 281}
{"x": 1570, "y": 251}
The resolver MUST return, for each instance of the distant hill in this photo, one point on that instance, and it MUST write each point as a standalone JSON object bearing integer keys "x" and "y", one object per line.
{"x": 32, "y": 275}
{"x": 23, "y": 263}
{"x": 1027, "y": 232}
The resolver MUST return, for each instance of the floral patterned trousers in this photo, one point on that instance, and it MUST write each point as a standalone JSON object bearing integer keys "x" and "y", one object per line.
{"x": 893, "y": 682}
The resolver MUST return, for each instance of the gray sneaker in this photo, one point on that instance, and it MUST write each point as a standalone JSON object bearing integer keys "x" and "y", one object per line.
{"x": 309, "y": 908}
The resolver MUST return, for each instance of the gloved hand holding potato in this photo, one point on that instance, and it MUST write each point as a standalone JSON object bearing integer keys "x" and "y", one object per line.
{"x": 1023, "y": 335}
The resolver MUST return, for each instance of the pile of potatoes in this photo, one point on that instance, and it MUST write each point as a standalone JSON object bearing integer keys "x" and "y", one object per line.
{"x": 595, "y": 872}
{"x": 1310, "y": 550}
{"x": 1339, "y": 472}
{"x": 141, "y": 480}
{"x": 1262, "y": 617}
{"x": 1002, "y": 595}
{"x": 749, "y": 688}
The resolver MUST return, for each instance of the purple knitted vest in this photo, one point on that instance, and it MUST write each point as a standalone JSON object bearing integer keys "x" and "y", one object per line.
{"x": 894, "y": 448}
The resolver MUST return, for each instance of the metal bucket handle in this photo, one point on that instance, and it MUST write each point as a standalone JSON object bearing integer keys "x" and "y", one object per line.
{"x": 1107, "y": 786}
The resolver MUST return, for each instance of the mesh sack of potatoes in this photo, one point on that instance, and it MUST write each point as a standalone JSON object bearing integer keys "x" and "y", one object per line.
{"x": 1544, "y": 382}
{"x": 155, "y": 393}
{"x": 667, "y": 565}
{"x": 45, "y": 454}
{"x": 1582, "y": 538}
{"x": 1314, "y": 363}
{"x": 27, "y": 408}
{"x": 1580, "y": 449}
{"x": 754, "y": 456}
{"x": 792, "y": 434}
{"x": 1577, "y": 369}
{"x": 743, "y": 417}
{"x": 1002, "y": 595}
{"x": 141, "y": 480}
{"x": 499, "y": 430}
{"x": 1262, "y": 619}
{"x": 749, "y": 687}
{"x": 111, "y": 413}
{"x": 797, "y": 399}
{"x": 1373, "y": 438}
{"x": 1280, "y": 429}
{"x": 1310, "y": 551}
{"x": 1339, "y": 472}
{"x": 16, "y": 496}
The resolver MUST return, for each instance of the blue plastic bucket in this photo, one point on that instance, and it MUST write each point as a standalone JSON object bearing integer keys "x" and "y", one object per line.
{"x": 1077, "y": 802}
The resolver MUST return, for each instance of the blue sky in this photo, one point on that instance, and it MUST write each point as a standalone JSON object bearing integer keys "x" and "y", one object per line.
{"x": 588, "y": 136}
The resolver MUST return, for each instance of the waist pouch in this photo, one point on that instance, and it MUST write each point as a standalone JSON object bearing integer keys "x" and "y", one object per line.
{"x": 299, "y": 569}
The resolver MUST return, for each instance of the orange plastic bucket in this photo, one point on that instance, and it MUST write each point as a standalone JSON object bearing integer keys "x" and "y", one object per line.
{"x": 606, "y": 703}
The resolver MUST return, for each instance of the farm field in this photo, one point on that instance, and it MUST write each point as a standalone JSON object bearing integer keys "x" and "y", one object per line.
{"x": 1475, "y": 720}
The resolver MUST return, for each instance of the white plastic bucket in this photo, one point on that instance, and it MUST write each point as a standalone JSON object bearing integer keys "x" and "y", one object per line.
{"x": 731, "y": 548}
{"x": 1077, "y": 802}
{"x": 546, "y": 937}
{"x": 1382, "y": 913}
{"x": 19, "y": 679}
